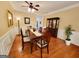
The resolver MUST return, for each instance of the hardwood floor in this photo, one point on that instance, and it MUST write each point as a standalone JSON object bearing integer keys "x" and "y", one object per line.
{"x": 57, "y": 49}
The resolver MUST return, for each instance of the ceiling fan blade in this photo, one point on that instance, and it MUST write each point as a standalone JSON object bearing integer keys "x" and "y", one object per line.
{"x": 24, "y": 6}
{"x": 27, "y": 3}
{"x": 35, "y": 8}
{"x": 37, "y": 5}
{"x": 31, "y": 6}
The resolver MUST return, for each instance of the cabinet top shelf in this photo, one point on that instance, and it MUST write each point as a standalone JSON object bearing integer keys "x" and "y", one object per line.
{"x": 57, "y": 18}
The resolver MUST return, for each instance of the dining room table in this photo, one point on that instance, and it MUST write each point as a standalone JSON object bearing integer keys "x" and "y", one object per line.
{"x": 36, "y": 36}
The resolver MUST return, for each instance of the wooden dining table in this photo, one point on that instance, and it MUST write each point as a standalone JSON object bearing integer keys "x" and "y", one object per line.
{"x": 35, "y": 36}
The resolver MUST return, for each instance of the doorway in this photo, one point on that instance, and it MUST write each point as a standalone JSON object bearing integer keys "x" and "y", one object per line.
{"x": 38, "y": 22}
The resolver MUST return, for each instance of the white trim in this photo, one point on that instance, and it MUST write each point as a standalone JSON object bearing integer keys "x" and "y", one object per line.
{"x": 74, "y": 37}
{"x": 63, "y": 9}
{"x": 6, "y": 41}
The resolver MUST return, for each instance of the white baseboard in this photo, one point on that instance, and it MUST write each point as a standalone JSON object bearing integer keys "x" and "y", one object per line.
{"x": 74, "y": 37}
{"x": 6, "y": 41}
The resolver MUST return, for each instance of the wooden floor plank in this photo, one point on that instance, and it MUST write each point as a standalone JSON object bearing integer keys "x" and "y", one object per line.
{"x": 57, "y": 49}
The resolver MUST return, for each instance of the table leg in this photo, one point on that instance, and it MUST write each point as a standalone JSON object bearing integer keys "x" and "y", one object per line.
{"x": 31, "y": 47}
{"x": 41, "y": 52}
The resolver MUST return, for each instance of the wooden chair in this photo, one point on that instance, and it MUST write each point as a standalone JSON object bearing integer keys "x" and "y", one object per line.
{"x": 43, "y": 42}
{"x": 25, "y": 39}
{"x": 40, "y": 29}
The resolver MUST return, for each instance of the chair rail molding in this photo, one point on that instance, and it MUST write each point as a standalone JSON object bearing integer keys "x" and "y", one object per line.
{"x": 74, "y": 37}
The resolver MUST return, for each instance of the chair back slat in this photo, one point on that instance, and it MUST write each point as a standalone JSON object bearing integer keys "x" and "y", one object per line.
{"x": 46, "y": 36}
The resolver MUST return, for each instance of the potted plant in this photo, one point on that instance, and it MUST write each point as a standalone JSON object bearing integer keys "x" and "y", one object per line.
{"x": 68, "y": 32}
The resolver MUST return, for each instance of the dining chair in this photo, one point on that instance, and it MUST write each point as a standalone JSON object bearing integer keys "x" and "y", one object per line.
{"x": 43, "y": 41}
{"x": 25, "y": 38}
{"x": 40, "y": 29}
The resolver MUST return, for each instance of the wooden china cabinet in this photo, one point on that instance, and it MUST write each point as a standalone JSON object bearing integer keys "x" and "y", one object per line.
{"x": 52, "y": 25}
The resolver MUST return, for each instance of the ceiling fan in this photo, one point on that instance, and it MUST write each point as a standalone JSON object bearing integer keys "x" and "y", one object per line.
{"x": 31, "y": 6}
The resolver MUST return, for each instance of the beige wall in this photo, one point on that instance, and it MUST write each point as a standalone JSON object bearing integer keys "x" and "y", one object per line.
{"x": 67, "y": 17}
{"x": 4, "y": 6}
{"x": 21, "y": 15}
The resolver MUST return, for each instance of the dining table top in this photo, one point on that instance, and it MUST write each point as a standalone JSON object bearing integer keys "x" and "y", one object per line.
{"x": 36, "y": 33}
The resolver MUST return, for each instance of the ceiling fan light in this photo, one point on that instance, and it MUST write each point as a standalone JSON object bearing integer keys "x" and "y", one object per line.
{"x": 33, "y": 10}
{"x": 29, "y": 9}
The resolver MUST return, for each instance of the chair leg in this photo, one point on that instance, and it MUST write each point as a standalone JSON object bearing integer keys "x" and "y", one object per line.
{"x": 41, "y": 52}
{"x": 36, "y": 47}
{"x": 47, "y": 49}
{"x": 22, "y": 46}
{"x": 31, "y": 47}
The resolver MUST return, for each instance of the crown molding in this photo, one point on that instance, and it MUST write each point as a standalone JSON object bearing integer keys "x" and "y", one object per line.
{"x": 63, "y": 9}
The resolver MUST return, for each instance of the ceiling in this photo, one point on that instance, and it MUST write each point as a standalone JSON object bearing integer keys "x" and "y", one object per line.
{"x": 45, "y": 6}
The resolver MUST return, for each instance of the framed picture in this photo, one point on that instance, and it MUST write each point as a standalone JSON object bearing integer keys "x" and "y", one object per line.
{"x": 26, "y": 20}
{"x": 10, "y": 18}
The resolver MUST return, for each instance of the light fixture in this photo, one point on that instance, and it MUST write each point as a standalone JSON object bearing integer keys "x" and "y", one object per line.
{"x": 31, "y": 10}
{"x": 9, "y": 18}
